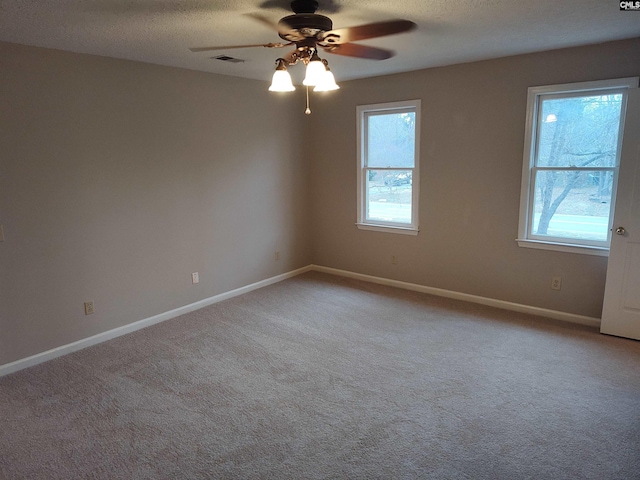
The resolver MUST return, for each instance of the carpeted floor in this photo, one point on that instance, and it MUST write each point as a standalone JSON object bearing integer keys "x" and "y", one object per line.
{"x": 320, "y": 377}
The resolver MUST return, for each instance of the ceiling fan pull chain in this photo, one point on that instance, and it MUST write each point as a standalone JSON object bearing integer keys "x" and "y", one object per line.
{"x": 308, "y": 110}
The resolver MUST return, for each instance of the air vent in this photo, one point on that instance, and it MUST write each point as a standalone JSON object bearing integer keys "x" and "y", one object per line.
{"x": 226, "y": 58}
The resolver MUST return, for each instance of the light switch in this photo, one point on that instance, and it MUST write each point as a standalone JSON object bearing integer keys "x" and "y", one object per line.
{"x": 1, "y": 234}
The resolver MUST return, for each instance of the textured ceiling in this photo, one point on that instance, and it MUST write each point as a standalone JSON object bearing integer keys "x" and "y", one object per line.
{"x": 160, "y": 31}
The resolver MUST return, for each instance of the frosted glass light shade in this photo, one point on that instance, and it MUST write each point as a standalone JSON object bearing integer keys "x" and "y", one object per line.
{"x": 315, "y": 72}
{"x": 281, "y": 82}
{"x": 327, "y": 82}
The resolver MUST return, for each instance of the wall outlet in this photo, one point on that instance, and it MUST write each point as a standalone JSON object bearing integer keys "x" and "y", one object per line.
{"x": 89, "y": 309}
{"x": 556, "y": 283}
{"x": 195, "y": 278}
{"x": 276, "y": 256}
{"x": 394, "y": 259}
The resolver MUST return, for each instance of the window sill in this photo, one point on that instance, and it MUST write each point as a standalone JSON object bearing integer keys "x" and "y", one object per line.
{"x": 388, "y": 229}
{"x": 564, "y": 247}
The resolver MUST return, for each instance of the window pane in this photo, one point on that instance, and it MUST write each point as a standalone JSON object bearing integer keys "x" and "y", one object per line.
{"x": 579, "y": 131}
{"x": 389, "y": 195}
{"x": 391, "y": 139}
{"x": 573, "y": 205}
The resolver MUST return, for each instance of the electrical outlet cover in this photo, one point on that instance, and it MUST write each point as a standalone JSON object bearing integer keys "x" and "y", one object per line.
{"x": 89, "y": 308}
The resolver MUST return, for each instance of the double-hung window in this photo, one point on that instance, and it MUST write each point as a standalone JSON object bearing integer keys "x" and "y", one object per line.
{"x": 572, "y": 149}
{"x": 388, "y": 161}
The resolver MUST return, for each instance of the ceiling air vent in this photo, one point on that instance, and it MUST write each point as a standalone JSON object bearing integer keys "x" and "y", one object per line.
{"x": 226, "y": 58}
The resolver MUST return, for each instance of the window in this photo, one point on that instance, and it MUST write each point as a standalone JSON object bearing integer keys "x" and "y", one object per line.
{"x": 388, "y": 160}
{"x": 572, "y": 152}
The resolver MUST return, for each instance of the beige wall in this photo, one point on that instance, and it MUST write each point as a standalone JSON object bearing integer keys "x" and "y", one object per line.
{"x": 118, "y": 179}
{"x": 471, "y": 163}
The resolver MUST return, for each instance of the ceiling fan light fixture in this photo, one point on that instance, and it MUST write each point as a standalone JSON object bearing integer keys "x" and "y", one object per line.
{"x": 315, "y": 71}
{"x": 327, "y": 81}
{"x": 281, "y": 81}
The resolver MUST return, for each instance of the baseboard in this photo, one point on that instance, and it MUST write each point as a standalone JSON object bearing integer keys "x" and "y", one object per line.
{"x": 516, "y": 307}
{"x": 132, "y": 327}
{"x": 12, "y": 367}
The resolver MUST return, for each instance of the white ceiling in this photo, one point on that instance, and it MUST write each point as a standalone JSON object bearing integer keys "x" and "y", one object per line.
{"x": 449, "y": 31}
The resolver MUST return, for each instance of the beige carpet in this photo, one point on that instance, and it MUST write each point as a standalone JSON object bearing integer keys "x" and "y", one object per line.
{"x": 320, "y": 377}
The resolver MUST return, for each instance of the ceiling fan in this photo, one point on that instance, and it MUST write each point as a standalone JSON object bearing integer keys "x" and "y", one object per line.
{"x": 309, "y": 32}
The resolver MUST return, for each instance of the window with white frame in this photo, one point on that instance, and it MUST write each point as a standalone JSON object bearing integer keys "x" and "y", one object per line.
{"x": 572, "y": 148}
{"x": 388, "y": 161}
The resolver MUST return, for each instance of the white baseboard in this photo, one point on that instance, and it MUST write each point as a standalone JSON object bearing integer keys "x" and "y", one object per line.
{"x": 8, "y": 368}
{"x": 132, "y": 327}
{"x": 516, "y": 307}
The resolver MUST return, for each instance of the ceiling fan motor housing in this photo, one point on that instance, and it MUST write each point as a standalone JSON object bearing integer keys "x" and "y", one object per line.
{"x": 306, "y": 25}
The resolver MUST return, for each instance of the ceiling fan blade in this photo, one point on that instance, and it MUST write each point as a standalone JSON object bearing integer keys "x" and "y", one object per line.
{"x": 370, "y": 30}
{"x": 360, "y": 51}
{"x": 277, "y": 26}
{"x": 264, "y": 20}
{"x": 229, "y": 47}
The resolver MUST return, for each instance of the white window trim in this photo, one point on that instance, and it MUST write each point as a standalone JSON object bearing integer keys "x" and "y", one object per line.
{"x": 526, "y": 195}
{"x": 389, "y": 227}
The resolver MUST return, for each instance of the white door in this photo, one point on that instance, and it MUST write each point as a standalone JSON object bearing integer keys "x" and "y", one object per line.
{"x": 621, "y": 309}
